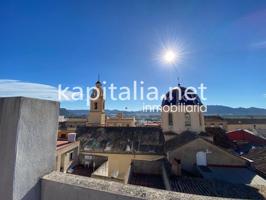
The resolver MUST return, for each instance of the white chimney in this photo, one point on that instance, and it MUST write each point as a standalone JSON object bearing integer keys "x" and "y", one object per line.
{"x": 71, "y": 137}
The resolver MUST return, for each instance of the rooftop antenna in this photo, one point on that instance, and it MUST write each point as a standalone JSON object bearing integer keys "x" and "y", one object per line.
{"x": 98, "y": 77}
{"x": 178, "y": 81}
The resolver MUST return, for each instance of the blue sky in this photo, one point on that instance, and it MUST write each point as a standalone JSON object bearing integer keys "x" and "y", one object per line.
{"x": 70, "y": 42}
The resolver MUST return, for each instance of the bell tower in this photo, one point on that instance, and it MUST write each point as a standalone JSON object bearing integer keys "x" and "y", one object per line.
{"x": 96, "y": 115}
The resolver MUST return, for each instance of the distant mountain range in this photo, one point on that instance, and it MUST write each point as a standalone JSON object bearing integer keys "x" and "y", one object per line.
{"x": 212, "y": 110}
{"x": 225, "y": 110}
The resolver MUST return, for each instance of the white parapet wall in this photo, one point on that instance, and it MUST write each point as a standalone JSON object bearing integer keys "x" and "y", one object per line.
{"x": 57, "y": 186}
{"x": 27, "y": 145}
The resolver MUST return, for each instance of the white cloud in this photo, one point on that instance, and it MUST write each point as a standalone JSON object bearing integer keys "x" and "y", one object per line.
{"x": 261, "y": 44}
{"x": 11, "y": 88}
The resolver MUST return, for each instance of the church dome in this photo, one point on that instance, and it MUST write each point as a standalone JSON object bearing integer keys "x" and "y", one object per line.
{"x": 174, "y": 97}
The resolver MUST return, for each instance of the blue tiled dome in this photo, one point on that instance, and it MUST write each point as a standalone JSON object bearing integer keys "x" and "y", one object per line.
{"x": 172, "y": 97}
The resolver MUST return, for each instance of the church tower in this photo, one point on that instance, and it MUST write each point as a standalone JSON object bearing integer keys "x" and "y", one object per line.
{"x": 96, "y": 115}
{"x": 180, "y": 113}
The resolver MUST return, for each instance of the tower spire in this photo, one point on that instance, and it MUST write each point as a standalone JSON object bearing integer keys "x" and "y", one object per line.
{"x": 178, "y": 81}
{"x": 98, "y": 77}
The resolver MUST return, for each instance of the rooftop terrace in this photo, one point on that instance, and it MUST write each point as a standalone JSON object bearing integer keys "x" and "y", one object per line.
{"x": 66, "y": 186}
{"x": 28, "y": 129}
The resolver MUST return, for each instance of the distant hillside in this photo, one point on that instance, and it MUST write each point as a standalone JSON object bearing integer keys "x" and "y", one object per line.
{"x": 137, "y": 114}
{"x": 212, "y": 110}
{"x": 225, "y": 110}
{"x": 65, "y": 112}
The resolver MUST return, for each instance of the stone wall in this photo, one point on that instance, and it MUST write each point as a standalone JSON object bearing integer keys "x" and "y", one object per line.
{"x": 66, "y": 186}
{"x": 27, "y": 145}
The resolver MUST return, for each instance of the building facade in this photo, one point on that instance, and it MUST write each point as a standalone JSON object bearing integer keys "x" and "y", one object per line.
{"x": 199, "y": 152}
{"x": 97, "y": 116}
{"x": 67, "y": 155}
{"x": 180, "y": 114}
{"x": 121, "y": 121}
{"x": 251, "y": 123}
{"x": 215, "y": 121}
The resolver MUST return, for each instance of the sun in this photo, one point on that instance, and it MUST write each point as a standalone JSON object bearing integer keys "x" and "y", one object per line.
{"x": 170, "y": 56}
{"x": 171, "y": 53}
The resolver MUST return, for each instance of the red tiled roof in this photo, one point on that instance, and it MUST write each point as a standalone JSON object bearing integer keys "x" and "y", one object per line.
{"x": 151, "y": 124}
{"x": 245, "y": 135}
{"x": 61, "y": 143}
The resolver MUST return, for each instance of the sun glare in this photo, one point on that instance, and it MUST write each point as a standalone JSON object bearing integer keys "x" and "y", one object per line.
{"x": 171, "y": 52}
{"x": 170, "y": 56}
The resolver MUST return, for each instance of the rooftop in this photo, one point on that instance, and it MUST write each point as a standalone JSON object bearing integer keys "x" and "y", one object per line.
{"x": 76, "y": 119}
{"x": 238, "y": 175}
{"x": 173, "y": 141}
{"x": 254, "y": 133}
{"x": 213, "y": 117}
{"x": 215, "y": 188}
{"x": 60, "y": 144}
{"x": 147, "y": 180}
{"x": 248, "y": 120}
{"x": 121, "y": 139}
{"x": 258, "y": 155}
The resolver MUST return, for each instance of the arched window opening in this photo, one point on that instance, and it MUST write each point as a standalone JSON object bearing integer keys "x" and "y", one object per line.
{"x": 200, "y": 119}
{"x": 187, "y": 119}
{"x": 170, "y": 119}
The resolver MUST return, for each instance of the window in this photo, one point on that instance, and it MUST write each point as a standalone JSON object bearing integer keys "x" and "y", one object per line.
{"x": 170, "y": 119}
{"x": 178, "y": 161}
{"x": 200, "y": 119}
{"x": 71, "y": 156}
{"x": 95, "y": 106}
{"x": 187, "y": 119}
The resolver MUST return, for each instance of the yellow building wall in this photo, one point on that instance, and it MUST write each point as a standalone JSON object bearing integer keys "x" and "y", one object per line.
{"x": 96, "y": 119}
{"x": 130, "y": 122}
{"x": 63, "y": 161}
{"x": 96, "y": 116}
{"x": 122, "y": 162}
